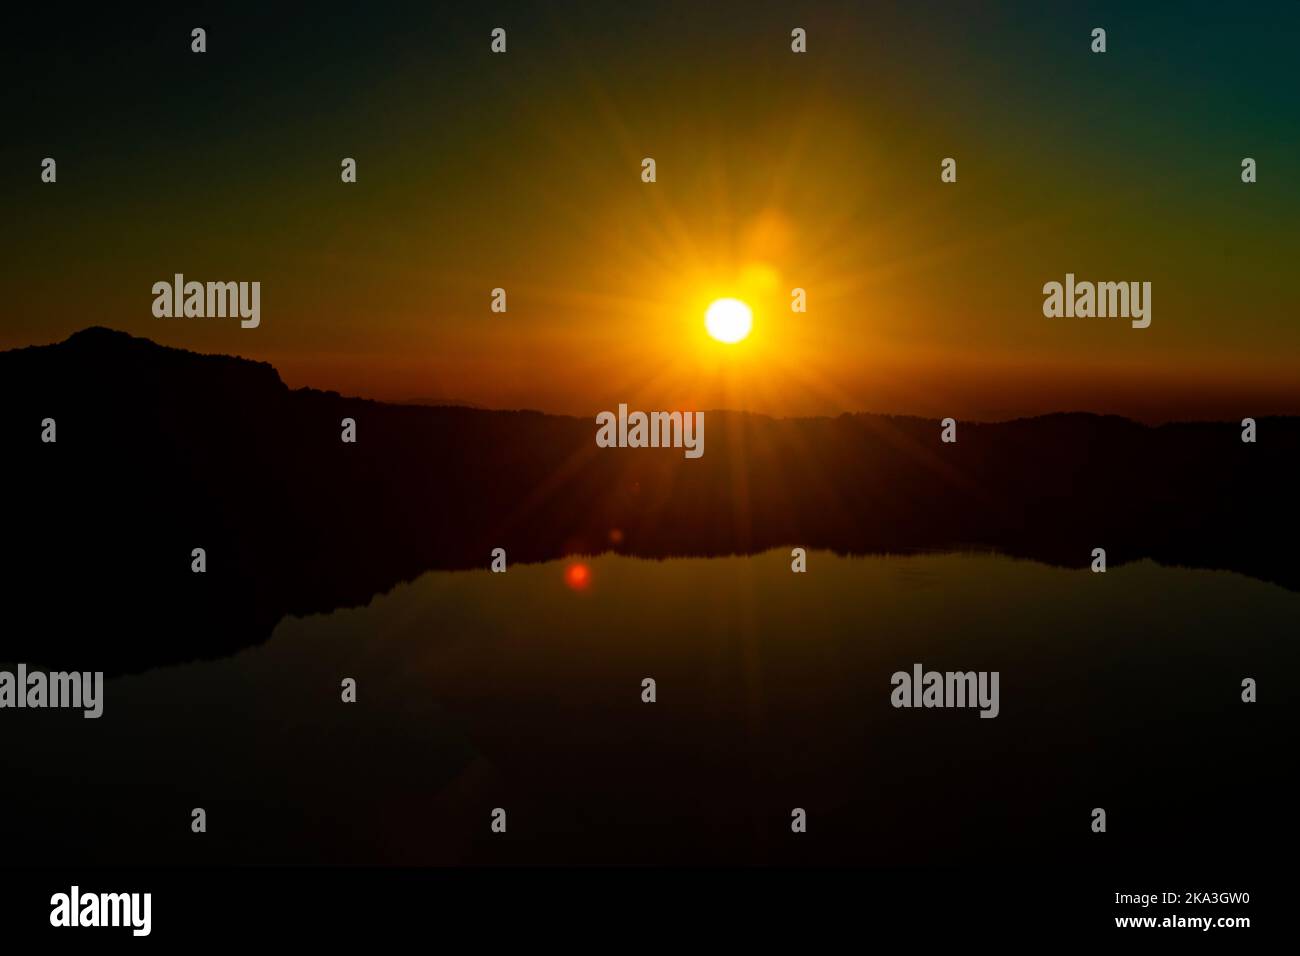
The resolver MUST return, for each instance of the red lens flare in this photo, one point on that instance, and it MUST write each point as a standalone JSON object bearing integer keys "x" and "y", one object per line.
{"x": 577, "y": 576}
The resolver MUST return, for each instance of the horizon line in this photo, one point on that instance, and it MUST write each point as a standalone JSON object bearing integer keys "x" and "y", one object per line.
{"x": 435, "y": 402}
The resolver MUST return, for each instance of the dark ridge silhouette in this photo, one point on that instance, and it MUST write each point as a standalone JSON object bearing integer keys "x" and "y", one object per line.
{"x": 160, "y": 451}
{"x": 435, "y": 401}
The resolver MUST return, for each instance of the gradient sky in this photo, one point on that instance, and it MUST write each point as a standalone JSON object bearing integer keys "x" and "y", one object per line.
{"x": 774, "y": 171}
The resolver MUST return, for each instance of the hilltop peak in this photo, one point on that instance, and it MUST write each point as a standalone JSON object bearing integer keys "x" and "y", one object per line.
{"x": 111, "y": 357}
{"x": 102, "y": 333}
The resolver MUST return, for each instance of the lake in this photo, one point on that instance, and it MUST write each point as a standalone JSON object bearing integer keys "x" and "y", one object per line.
{"x": 521, "y": 691}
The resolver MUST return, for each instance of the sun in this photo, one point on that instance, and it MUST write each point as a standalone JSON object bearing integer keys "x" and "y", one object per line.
{"x": 728, "y": 320}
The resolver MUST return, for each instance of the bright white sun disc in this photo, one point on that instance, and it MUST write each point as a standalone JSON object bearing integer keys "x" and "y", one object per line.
{"x": 728, "y": 320}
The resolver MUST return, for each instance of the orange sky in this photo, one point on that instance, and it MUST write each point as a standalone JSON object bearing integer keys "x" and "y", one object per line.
{"x": 774, "y": 171}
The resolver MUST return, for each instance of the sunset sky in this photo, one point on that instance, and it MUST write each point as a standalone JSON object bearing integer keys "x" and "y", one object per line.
{"x": 775, "y": 171}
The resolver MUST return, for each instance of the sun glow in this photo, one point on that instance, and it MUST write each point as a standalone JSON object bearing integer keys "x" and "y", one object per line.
{"x": 728, "y": 320}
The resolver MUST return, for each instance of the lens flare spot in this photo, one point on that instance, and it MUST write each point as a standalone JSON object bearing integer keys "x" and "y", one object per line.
{"x": 577, "y": 576}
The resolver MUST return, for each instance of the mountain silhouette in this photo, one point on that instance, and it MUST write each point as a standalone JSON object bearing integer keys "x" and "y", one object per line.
{"x": 160, "y": 451}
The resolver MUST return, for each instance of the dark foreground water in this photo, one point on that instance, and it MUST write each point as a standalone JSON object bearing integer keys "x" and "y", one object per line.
{"x": 478, "y": 691}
